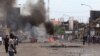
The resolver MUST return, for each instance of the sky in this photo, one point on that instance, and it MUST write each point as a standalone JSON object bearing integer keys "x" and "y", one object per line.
{"x": 67, "y": 8}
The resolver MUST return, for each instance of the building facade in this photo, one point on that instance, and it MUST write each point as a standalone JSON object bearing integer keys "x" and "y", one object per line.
{"x": 95, "y": 23}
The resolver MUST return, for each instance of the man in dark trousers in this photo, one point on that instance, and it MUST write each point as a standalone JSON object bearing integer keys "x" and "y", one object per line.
{"x": 14, "y": 37}
{"x": 84, "y": 39}
{"x": 6, "y": 43}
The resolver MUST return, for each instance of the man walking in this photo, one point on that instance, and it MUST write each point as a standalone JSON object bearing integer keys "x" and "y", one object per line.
{"x": 6, "y": 43}
{"x": 84, "y": 39}
{"x": 12, "y": 46}
{"x": 0, "y": 40}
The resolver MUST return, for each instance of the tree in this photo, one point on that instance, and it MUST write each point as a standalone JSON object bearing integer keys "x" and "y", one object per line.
{"x": 58, "y": 29}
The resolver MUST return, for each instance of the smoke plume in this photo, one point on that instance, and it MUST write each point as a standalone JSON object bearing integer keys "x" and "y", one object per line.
{"x": 31, "y": 20}
{"x": 5, "y": 5}
{"x": 36, "y": 13}
{"x": 16, "y": 21}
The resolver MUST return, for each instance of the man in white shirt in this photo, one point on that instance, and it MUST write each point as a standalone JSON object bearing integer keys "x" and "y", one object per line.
{"x": 0, "y": 40}
{"x": 12, "y": 48}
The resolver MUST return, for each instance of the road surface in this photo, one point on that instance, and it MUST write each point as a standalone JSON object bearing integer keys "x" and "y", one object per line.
{"x": 39, "y": 49}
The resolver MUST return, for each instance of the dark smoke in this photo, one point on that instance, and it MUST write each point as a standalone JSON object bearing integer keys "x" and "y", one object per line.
{"x": 6, "y": 6}
{"x": 37, "y": 12}
{"x": 49, "y": 27}
{"x": 7, "y": 3}
{"x": 15, "y": 21}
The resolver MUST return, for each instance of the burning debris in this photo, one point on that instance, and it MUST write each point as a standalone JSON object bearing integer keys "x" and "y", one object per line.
{"x": 31, "y": 18}
{"x": 35, "y": 9}
{"x": 34, "y": 14}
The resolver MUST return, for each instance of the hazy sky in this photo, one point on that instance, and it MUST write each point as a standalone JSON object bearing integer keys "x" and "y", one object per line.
{"x": 66, "y": 8}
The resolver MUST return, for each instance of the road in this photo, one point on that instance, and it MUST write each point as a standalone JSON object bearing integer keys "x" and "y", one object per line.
{"x": 37, "y": 49}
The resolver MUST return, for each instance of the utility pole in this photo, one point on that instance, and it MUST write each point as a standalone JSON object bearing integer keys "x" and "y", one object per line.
{"x": 89, "y": 18}
{"x": 48, "y": 10}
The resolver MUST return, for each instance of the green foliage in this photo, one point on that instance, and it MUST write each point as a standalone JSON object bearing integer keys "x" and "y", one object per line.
{"x": 59, "y": 29}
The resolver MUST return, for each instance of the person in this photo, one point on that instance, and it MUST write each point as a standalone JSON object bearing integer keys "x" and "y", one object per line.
{"x": 94, "y": 39}
{"x": 16, "y": 40}
{"x": 6, "y": 40}
{"x": 89, "y": 39}
{"x": 84, "y": 40}
{"x": 0, "y": 40}
{"x": 12, "y": 48}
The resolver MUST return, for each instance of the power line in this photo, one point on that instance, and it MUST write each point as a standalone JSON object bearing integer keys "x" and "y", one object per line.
{"x": 68, "y": 12}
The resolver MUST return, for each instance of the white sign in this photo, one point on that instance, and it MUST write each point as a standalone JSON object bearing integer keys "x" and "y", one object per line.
{"x": 92, "y": 33}
{"x": 76, "y": 32}
{"x": 67, "y": 32}
{"x": 97, "y": 25}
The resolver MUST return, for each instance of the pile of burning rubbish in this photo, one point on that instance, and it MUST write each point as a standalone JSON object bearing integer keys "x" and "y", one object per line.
{"x": 27, "y": 22}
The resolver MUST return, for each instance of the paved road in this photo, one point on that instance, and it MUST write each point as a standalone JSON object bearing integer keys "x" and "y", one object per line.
{"x": 28, "y": 49}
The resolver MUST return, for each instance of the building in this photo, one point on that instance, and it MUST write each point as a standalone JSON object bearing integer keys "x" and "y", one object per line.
{"x": 55, "y": 22}
{"x": 76, "y": 25}
{"x": 79, "y": 29}
{"x": 95, "y": 23}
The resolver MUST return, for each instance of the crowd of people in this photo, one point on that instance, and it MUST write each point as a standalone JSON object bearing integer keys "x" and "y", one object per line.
{"x": 10, "y": 42}
{"x": 91, "y": 39}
